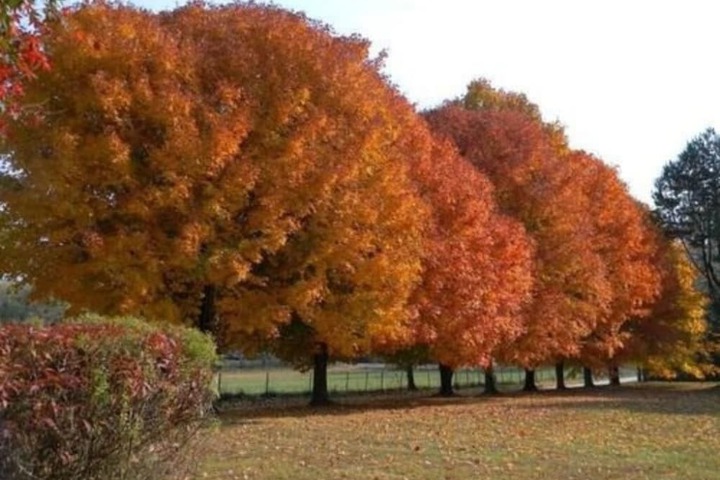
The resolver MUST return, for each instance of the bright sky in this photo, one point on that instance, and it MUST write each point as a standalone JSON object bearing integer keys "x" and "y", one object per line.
{"x": 632, "y": 81}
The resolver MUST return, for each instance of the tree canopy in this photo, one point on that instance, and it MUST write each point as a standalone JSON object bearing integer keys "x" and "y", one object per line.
{"x": 477, "y": 271}
{"x": 527, "y": 163}
{"x": 625, "y": 238}
{"x": 236, "y": 162}
{"x": 22, "y": 24}
{"x": 672, "y": 339}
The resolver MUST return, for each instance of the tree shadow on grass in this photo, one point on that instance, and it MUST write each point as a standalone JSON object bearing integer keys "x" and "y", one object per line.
{"x": 667, "y": 398}
{"x": 256, "y": 409}
{"x": 656, "y": 397}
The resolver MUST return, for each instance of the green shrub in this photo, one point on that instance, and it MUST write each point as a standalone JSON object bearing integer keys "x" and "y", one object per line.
{"x": 98, "y": 398}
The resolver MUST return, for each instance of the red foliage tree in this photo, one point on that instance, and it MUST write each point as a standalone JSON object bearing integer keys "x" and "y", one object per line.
{"x": 22, "y": 24}
{"x": 626, "y": 240}
{"x": 527, "y": 161}
{"x": 477, "y": 270}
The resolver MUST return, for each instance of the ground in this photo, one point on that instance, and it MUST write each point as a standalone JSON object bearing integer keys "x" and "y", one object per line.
{"x": 648, "y": 431}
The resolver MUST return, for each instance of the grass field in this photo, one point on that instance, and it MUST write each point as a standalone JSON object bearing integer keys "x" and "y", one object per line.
{"x": 648, "y": 431}
{"x": 368, "y": 378}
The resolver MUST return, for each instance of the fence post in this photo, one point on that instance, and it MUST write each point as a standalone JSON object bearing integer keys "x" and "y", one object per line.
{"x": 267, "y": 382}
{"x": 347, "y": 382}
{"x": 310, "y": 380}
{"x": 427, "y": 372}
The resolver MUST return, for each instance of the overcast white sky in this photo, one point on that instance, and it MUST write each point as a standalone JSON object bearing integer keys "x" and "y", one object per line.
{"x": 631, "y": 80}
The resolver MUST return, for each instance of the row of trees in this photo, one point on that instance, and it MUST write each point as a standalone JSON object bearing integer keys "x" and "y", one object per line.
{"x": 243, "y": 169}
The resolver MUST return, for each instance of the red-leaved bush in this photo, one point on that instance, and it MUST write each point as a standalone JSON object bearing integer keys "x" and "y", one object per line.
{"x": 97, "y": 398}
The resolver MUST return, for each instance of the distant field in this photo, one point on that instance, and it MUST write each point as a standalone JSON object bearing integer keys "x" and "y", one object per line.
{"x": 368, "y": 378}
{"x": 647, "y": 431}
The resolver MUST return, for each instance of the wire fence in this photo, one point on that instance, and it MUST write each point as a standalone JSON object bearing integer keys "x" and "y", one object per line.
{"x": 366, "y": 378}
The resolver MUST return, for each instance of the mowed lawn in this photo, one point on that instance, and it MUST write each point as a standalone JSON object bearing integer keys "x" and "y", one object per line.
{"x": 648, "y": 431}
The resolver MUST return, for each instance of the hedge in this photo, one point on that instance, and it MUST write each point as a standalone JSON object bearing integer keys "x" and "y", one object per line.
{"x": 101, "y": 398}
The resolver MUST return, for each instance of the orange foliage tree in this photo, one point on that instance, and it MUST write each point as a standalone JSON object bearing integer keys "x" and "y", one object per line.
{"x": 340, "y": 139}
{"x": 238, "y": 167}
{"x": 502, "y": 135}
{"x": 477, "y": 270}
{"x": 626, "y": 241}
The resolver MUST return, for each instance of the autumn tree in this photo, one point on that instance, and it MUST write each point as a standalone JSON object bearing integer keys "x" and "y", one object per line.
{"x": 526, "y": 160}
{"x": 22, "y": 23}
{"x": 625, "y": 239}
{"x": 477, "y": 270}
{"x": 481, "y": 95}
{"x": 672, "y": 339}
{"x": 240, "y": 168}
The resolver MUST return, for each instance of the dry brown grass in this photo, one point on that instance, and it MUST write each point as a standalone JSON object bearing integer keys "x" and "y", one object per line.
{"x": 651, "y": 431}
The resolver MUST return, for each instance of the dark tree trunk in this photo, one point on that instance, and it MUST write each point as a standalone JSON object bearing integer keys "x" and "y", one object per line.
{"x": 446, "y": 376}
{"x": 530, "y": 381}
{"x": 411, "y": 378}
{"x": 490, "y": 384}
{"x": 640, "y": 374}
{"x": 614, "y": 374}
{"x": 207, "y": 321}
{"x": 588, "y": 378}
{"x": 320, "y": 387}
{"x": 560, "y": 376}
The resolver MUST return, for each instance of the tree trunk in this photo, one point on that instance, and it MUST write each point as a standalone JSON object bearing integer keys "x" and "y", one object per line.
{"x": 490, "y": 384}
{"x": 530, "y": 381}
{"x": 588, "y": 378}
{"x": 560, "y": 376}
{"x": 446, "y": 375}
{"x": 207, "y": 321}
{"x": 614, "y": 374}
{"x": 640, "y": 374}
{"x": 320, "y": 387}
{"x": 411, "y": 378}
